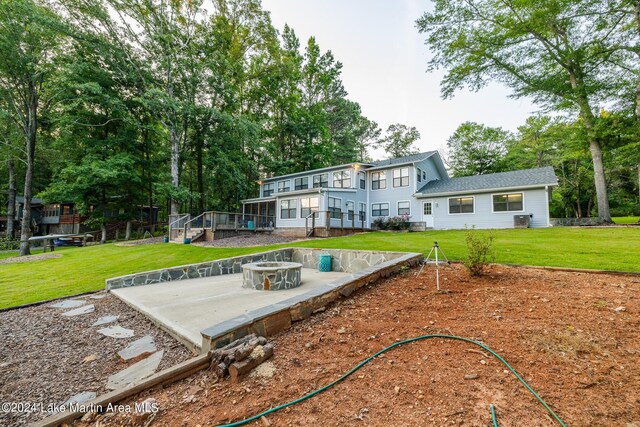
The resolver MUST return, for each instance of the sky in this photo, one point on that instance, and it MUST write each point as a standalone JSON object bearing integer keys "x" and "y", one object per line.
{"x": 385, "y": 67}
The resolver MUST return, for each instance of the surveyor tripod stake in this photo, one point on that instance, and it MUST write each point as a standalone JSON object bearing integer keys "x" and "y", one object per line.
{"x": 436, "y": 256}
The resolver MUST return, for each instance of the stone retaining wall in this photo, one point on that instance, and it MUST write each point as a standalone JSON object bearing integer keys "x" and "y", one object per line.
{"x": 196, "y": 271}
{"x": 572, "y": 222}
{"x": 346, "y": 261}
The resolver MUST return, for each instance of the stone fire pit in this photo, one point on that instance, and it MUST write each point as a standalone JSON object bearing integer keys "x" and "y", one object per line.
{"x": 271, "y": 276}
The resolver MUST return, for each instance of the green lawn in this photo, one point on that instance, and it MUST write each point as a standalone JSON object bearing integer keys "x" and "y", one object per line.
{"x": 625, "y": 219}
{"x": 85, "y": 269}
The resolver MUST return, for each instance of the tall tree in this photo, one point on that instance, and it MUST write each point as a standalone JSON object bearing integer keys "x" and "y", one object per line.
{"x": 30, "y": 38}
{"x": 398, "y": 140}
{"x": 558, "y": 53}
{"x": 476, "y": 149}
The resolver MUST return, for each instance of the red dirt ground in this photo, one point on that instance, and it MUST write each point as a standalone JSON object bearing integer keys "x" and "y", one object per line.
{"x": 559, "y": 330}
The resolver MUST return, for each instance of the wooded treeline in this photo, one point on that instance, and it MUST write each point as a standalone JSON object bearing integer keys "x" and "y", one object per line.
{"x": 114, "y": 104}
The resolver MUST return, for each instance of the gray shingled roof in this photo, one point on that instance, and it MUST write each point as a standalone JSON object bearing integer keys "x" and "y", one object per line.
{"x": 521, "y": 178}
{"x": 405, "y": 159}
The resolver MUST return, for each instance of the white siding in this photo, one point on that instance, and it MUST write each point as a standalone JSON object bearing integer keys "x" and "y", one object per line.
{"x": 535, "y": 202}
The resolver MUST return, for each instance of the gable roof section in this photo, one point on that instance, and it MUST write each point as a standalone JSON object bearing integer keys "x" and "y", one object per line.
{"x": 413, "y": 158}
{"x": 504, "y": 180}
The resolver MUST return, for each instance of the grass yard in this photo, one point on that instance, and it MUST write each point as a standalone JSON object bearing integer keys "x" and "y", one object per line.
{"x": 625, "y": 220}
{"x": 85, "y": 269}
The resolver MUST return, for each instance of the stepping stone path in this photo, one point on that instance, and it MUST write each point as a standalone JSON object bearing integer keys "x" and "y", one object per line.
{"x": 83, "y": 397}
{"x": 116, "y": 332}
{"x": 99, "y": 296}
{"x": 78, "y": 311}
{"x": 104, "y": 320}
{"x": 69, "y": 303}
{"x": 136, "y": 372}
{"x": 143, "y": 346}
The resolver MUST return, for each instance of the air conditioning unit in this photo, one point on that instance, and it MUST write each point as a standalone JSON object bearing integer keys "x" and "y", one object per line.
{"x": 521, "y": 221}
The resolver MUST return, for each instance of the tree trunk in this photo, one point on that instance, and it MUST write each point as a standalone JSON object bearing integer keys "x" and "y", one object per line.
{"x": 30, "y": 149}
{"x": 596, "y": 156}
{"x": 103, "y": 236}
{"x": 199, "y": 176}
{"x": 11, "y": 209}
{"x": 175, "y": 170}
{"x": 127, "y": 233}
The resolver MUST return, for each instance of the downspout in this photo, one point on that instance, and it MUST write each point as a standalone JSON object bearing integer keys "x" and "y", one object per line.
{"x": 366, "y": 208}
{"x": 546, "y": 196}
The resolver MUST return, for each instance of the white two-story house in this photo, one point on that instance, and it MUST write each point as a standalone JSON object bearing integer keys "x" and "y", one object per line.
{"x": 353, "y": 195}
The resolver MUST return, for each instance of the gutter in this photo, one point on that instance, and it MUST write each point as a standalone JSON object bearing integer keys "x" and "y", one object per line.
{"x": 419, "y": 195}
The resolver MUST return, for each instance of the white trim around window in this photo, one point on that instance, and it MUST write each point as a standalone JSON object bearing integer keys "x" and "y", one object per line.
{"x": 473, "y": 198}
{"x": 402, "y": 178}
{"x": 380, "y": 209}
{"x": 290, "y": 209}
{"x": 398, "y": 207}
{"x": 507, "y": 194}
{"x": 329, "y": 207}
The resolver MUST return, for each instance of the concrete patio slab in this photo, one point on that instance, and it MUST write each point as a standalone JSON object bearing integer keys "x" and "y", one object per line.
{"x": 187, "y": 307}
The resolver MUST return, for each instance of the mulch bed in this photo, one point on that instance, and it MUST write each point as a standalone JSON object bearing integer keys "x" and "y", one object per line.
{"x": 149, "y": 241}
{"x": 42, "y": 353}
{"x": 249, "y": 240}
{"x": 572, "y": 336}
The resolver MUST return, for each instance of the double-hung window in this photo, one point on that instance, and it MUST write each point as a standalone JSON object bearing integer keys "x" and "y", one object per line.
{"x": 380, "y": 209}
{"x": 378, "y": 180}
{"x": 335, "y": 207}
{"x": 363, "y": 180}
{"x": 288, "y": 208}
{"x": 508, "y": 202}
{"x": 267, "y": 189}
{"x": 342, "y": 179}
{"x": 284, "y": 186}
{"x": 419, "y": 174}
{"x": 460, "y": 205}
{"x": 307, "y": 206}
{"x": 321, "y": 180}
{"x": 301, "y": 183}
{"x": 362, "y": 211}
{"x": 404, "y": 208}
{"x": 351, "y": 206}
{"x": 401, "y": 177}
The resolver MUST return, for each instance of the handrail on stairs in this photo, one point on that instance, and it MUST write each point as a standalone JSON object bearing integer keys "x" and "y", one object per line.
{"x": 187, "y": 225}
{"x": 180, "y": 218}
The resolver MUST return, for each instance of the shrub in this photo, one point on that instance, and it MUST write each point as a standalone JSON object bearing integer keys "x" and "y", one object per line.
{"x": 379, "y": 224}
{"x": 398, "y": 222}
{"x": 480, "y": 251}
{"x": 7, "y": 244}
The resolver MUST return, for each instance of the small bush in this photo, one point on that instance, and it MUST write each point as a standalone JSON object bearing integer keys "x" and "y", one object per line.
{"x": 379, "y": 224}
{"x": 395, "y": 223}
{"x": 7, "y": 244}
{"x": 479, "y": 251}
{"x": 398, "y": 222}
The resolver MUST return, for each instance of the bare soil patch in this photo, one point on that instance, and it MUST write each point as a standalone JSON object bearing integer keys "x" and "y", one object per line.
{"x": 148, "y": 241}
{"x": 29, "y": 258}
{"x": 46, "y": 357}
{"x": 559, "y": 330}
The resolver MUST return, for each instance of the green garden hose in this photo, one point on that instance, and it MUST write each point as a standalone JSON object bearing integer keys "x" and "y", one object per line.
{"x": 399, "y": 343}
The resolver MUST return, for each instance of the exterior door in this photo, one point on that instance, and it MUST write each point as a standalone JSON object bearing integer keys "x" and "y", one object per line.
{"x": 427, "y": 213}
